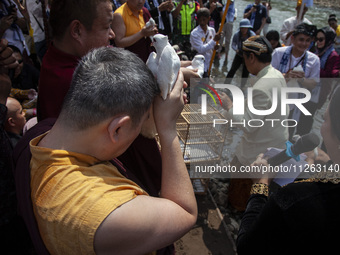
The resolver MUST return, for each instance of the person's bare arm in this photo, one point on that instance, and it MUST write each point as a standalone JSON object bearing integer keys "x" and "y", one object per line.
{"x": 189, "y": 74}
{"x": 119, "y": 29}
{"x": 309, "y": 84}
{"x": 176, "y": 12}
{"x": 21, "y": 22}
{"x": 285, "y": 32}
{"x": 145, "y": 224}
{"x": 166, "y": 6}
{"x": 248, "y": 14}
{"x": 289, "y": 34}
{"x": 226, "y": 101}
{"x": 5, "y": 88}
{"x": 318, "y": 157}
{"x": 304, "y": 82}
{"x": 212, "y": 7}
{"x": 185, "y": 63}
{"x": 7, "y": 61}
{"x": 5, "y": 23}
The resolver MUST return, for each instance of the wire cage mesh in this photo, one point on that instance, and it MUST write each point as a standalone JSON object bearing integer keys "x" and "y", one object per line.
{"x": 201, "y": 141}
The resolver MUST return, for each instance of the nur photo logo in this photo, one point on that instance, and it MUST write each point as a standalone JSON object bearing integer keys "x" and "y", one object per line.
{"x": 239, "y": 99}
{"x": 281, "y": 101}
{"x": 204, "y": 98}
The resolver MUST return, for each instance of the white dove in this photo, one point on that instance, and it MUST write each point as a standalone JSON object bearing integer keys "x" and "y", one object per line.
{"x": 164, "y": 64}
{"x": 198, "y": 63}
{"x": 150, "y": 23}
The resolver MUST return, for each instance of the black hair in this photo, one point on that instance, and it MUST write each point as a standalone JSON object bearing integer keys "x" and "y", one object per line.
{"x": 332, "y": 17}
{"x": 63, "y": 12}
{"x": 305, "y": 29}
{"x": 329, "y": 35}
{"x": 203, "y": 12}
{"x": 108, "y": 82}
{"x": 273, "y": 35}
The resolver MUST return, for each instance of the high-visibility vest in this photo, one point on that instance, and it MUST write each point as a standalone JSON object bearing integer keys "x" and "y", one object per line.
{"x": 186, "y": 19}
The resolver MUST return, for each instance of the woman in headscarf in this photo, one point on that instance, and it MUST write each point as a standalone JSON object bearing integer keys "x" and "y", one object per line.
{"x": 329, "y": 68}
{"x": 329, "y": 60}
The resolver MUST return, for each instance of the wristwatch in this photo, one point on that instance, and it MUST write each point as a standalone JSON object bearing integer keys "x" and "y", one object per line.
{"x": 259, "y": 188}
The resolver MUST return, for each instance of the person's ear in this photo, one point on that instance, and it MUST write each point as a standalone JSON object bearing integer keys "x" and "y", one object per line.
{"x": 119, "y": 127}
{"x": 11, "y": 122}
{"x": 76, "y": 29}
{"x": 252, "y": 57}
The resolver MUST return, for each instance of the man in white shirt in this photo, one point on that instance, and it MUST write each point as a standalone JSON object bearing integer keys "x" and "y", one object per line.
{"x": 298, "y": 63}
{"x": 37, "y": 22}
{"x": 203, "y": 38}
{"x": 257, "y": 57}
{"x": 289, "y": 25}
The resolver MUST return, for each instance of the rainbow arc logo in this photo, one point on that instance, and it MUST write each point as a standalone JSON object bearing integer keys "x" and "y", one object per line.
{"x": 204, "y": 97}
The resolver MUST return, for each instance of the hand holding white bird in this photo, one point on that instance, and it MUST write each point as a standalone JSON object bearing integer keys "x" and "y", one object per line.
{"x": 151, "y": 23}
{"x": 150, "y": 28}
{"x": 164, "y": 64}
{"x": 166, "y": 112}
{"x": 198, "y": 63}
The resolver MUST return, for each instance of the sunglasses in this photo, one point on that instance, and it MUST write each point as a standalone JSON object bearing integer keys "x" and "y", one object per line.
{"x": 321, "y": 39}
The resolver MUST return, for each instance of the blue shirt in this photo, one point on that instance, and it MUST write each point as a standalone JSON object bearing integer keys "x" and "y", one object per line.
{"x": 231, "y": 13}
{"x": 256, "y": 17}
{"x": 238, "y": 40}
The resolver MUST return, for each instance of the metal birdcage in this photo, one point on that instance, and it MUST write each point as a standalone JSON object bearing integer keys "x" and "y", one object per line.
{"x": 201, "y": 141}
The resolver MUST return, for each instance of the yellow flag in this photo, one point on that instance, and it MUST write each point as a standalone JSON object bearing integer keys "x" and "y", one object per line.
{"x": 308, "y": 3}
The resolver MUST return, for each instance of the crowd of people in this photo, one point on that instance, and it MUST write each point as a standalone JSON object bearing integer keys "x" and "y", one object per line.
{"x": 78, "y": 174}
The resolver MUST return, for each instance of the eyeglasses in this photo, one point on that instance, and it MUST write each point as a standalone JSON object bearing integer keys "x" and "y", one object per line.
{"x": 320, "y": 39}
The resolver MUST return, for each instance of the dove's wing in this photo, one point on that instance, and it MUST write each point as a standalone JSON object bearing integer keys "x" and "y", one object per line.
{"x": 176, "y": 67}
{"x": 168, "y": 68}
{"x": 201, "y": 68}
{"x": 152, "y": 63}
{"x": 195, "y": 63}
{"x": 198, "y": 63}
